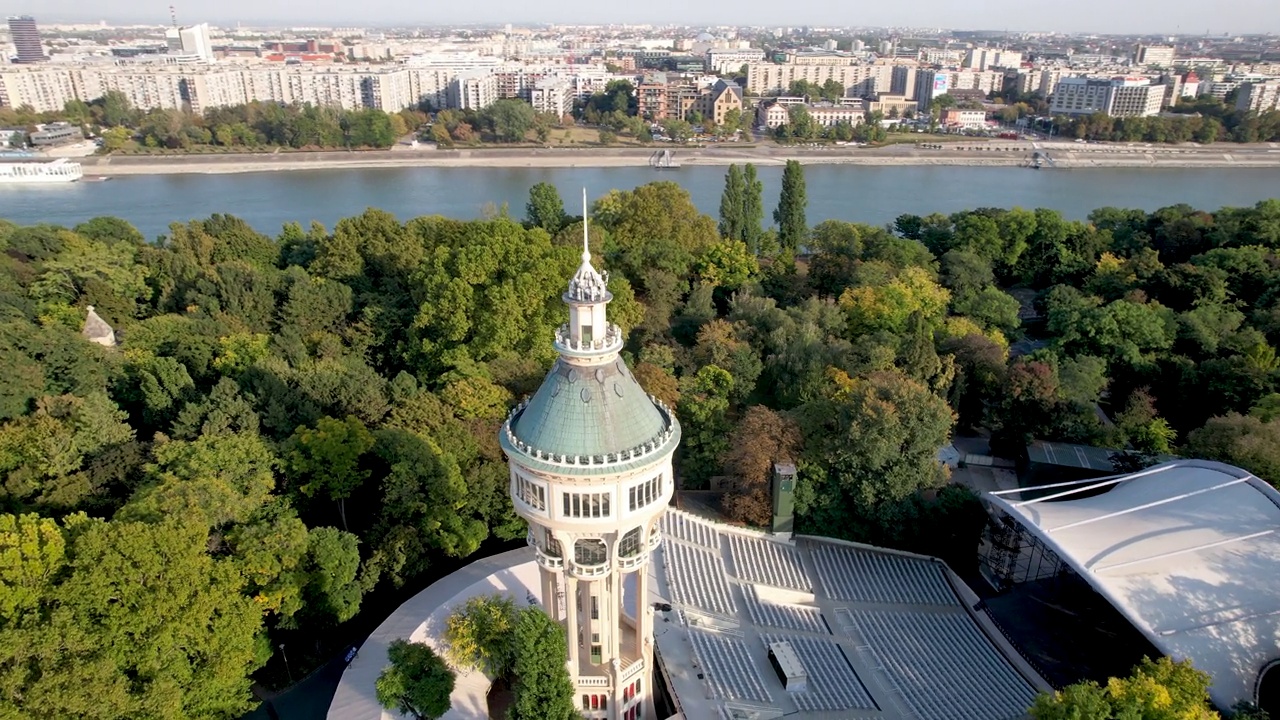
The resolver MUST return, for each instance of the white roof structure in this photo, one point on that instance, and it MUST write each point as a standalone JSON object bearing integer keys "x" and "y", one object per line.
{"x": 1188, "y": 551}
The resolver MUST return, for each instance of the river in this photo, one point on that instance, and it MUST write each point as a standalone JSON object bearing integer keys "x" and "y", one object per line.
{"x": 850, "y": 192}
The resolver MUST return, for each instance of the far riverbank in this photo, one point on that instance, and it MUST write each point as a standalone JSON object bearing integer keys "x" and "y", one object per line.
{"x": 975, "y": 153}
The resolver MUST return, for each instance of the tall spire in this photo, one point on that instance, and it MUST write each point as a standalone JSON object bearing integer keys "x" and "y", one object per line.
{"x": 586, "y": 238}
{"x": 587, "y": 284}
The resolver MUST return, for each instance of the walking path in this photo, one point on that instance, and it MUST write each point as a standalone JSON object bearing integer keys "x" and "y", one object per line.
{"x": 421, "y": 619}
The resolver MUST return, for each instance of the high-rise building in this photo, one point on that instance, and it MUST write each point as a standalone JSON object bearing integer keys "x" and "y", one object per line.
{"x": 26, "y": 38}
{"x": 192, "y": 42}
{"x": 1259, "y": 97}
{"x": 590, "y": 458}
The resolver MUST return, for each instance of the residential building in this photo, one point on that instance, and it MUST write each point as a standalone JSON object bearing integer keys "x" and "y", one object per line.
{"x": 44, "y": 90}
{"x": 473, "y": 90}
{"x": 960, "y": 119}
{"x": 986, "y": 58}
{"x": 26, "y": 39}
{"x": 770, "y": 79}
{"x": 590, "y": 472}
{"x": 1118, "y": 97}
{"x": 1157, "y": 55}
{"x": 940, "y": 56}
{"x": 772, "y": 114}
{"x": 931, "y": 84}
{"x": 1259, "y": 97}
{"x": 724, "y": 61}
{"x": 552, "y": 95}
{"x": 716, "y": 101}
{"x": 651, "y": 97}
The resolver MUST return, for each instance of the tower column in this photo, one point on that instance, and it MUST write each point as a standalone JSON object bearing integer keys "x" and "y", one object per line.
{"x": 642, "y": 616}
{"x": 571, "y": 611}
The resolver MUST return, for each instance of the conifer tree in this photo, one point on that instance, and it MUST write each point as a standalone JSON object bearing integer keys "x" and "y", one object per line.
{"x": 792, "y": 228}
{"x": 731, "y": 205}
{"x": 752, "y": 208}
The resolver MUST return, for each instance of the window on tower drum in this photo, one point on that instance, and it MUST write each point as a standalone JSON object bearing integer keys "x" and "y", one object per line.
{"x": 531, "y": 493}
{"x": 629, "y": 546}
{"x": 586, "y": 505}
{"x": 639, "y": 496}
{"x": 590, "y": 552}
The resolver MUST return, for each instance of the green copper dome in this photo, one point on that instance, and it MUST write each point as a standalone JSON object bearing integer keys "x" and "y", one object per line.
{"x": 596, "y": 410}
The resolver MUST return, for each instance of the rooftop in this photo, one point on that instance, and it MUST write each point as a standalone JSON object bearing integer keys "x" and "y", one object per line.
{"x": 1187, "y": 551}
{"x": 878, "y": 633}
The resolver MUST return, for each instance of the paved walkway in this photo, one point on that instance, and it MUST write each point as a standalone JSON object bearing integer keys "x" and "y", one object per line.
{"x": 421, "y": 619}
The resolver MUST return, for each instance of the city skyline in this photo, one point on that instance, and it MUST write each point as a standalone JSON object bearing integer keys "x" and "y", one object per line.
{"x": 1093, "y": 16}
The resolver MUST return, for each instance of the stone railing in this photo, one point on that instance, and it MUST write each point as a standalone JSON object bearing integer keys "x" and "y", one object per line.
{"x": 631, "y": 670}
{"x": 590, "y": 571}
{"x": 655, "y": 445}
{"x": 550, "y": 562}
{"x": 634, "y": 561}
{"x": 591, "y": 682}
{"x": 611, "y": 341}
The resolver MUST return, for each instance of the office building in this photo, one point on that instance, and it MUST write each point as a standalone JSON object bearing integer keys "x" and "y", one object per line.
{"x": 191, "y": 43}
{"x": 1117, "y": 97}
{"x": 1156, "y": 55}
{"x": 26, "y": 39}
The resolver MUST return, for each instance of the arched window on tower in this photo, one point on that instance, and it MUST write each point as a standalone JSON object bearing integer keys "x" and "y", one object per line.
{"x": 629, "y": 546}
{"x": 590, "y": 552}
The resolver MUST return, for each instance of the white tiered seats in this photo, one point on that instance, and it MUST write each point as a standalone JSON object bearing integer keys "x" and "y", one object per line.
{"x": 727, "y": 667}
{"x": 943, "y": 666}
{"x": 846, "y": 573}
{"x": 766, "y": 562}
{"x": 783, "y": 617}
{"x": 832, "y": 683}
{"x": 697, "y": 578}
{"x": 683, "y": 526}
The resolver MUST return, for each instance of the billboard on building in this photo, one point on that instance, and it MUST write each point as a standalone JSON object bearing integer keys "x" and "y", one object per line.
{"x": 940, "y": 84}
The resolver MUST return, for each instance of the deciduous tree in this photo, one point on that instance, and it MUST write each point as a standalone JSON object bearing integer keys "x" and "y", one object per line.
{"x": 416, "y": 682}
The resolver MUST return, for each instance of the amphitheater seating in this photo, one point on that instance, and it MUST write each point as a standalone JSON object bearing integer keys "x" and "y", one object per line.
{"x": 697, "y": 578}
{"x": 683, "y": 526}
{"x": 943, "y": 666}
{"x": 727, "y": 667}
{"x": 768, "y": 563}
{"x": 783, "y": 617}
{"x": 833, "y": 685}
{"x": 847, "y": 573}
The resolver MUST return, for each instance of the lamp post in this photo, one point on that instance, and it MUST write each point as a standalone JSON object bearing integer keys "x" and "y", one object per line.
{"x": 286, "y": 663}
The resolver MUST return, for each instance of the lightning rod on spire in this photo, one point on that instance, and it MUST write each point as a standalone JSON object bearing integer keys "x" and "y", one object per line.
{"x": 586, "y": 247}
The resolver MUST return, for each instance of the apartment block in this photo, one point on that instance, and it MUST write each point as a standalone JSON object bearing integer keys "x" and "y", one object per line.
{"x": 44, "y": 90}
{"x": 552, "y": 95}
{"x": 473, "y": 91}
{"x": 1259, "y": 97}
{"x": 771, "y": 79}
{"x": 731, "y": 61}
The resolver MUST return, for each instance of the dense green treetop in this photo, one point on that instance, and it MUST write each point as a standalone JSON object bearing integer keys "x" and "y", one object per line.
{"x": 291, "y": 423}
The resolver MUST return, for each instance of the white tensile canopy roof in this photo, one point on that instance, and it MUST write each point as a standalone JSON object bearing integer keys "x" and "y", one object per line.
{"x": 1188, "y": 551}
